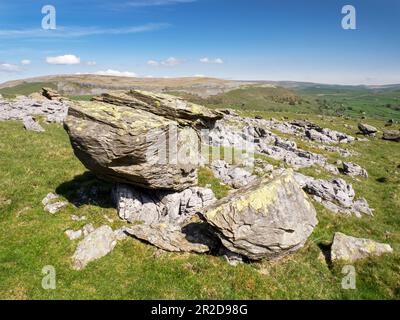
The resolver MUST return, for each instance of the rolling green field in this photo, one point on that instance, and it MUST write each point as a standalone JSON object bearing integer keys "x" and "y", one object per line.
{"x": 352, "y": 102}
{"x": 33, "y": 164}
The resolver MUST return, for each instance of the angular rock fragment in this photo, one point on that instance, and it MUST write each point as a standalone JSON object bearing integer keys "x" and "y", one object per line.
{"x": 49, "y": 197}
{"x": 30, "y": 124}
{"x": 234, "y": 176}
{"x": 94, "y": 246}
{"x": 51, "y": 94}
{"x": 367, "y": 129}
{"x": 349, "y": 249}
{"x": 353, "y": 170}
{"x": 267, "y": 219}
{"x": 73, "y": 235}
{"x": 78, "y": 218}
{"x": 191, "y": 238}
{"x": 55, "y": 207}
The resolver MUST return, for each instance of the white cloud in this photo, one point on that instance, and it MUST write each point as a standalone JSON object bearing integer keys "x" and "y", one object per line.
{"x": 212, "y": 61}
{"x": 26, "y": 62}
{"x": 199, "y": 76}
{"x": 67, "y": 59}
{"x": 7, "y": 67}
{"x": 171, "y": 61}
{"x": 91, "y": 63}
{"x": 153, "y": 63}
{"x": 75, "y": 32}
{"x": 116, "y": 73}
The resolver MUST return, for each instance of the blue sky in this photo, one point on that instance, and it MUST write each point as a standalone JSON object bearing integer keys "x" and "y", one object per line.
{"x": 235, "y": 39}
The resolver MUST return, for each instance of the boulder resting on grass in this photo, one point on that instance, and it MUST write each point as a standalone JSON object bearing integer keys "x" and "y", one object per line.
{"x": 268, "y": 219}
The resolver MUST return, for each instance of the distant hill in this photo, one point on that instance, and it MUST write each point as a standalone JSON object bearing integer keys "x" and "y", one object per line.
{"x": 79, "y": 85}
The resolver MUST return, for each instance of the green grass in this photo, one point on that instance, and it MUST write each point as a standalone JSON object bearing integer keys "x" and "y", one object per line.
{"x": 81, "y": 98}
{"x": 25, "y": 89}
{"x": 32, "y": 164}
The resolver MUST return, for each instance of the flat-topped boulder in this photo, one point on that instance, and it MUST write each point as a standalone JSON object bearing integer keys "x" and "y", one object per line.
{"x": 391, "y": 135}
{"x": 125, "y": 144}
{"x": 168, "y": 106}
{"x": 268, "y": 219}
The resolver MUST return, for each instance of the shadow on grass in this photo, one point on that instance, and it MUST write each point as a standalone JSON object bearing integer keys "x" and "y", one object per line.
{"x": 87, "y": 189}
{"x": 326, "y": 251}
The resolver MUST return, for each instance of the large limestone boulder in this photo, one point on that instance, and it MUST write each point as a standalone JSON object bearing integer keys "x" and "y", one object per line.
{"x": 267, "y": 219}
{"x": 140, "y": 138}
{"x": 168, "y": 106}
{"x": 124, "y": 144}
{"x": 349, "y": 249}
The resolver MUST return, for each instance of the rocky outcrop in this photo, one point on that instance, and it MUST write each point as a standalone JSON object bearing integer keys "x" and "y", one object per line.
{"x": 391, "y": 135}
{"x": 158, "y": 206}
{"x": 165, "y": 218}
{"x": 350, "y": 249}
{"x": 24, "y": 107}
{"x": 267, "y": 219}
{"x": 354, "y": 170}
{"x": 51, "y": 94}
{"x": 336, "y": 195}
{"x": 234, "y": 176}
{"x": 367, "y": 129}
{"x": 139, "y": 139}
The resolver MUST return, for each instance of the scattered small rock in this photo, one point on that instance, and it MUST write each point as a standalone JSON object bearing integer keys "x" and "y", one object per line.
{"x": 77, "y": 218}
{"x": 55, "y": 207}
{"x": 73, "y": 235}
{"x": 50, "y": 196}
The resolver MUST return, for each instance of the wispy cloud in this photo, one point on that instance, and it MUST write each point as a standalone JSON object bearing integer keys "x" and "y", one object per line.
{"x": 7, "y": 67}
{"x": 153, "y": 3}
{"x": 212, "y": 61}
{"x": 170, "y": 62}
{"x": 153, "y": 63}
{"x": 75, "y": 32}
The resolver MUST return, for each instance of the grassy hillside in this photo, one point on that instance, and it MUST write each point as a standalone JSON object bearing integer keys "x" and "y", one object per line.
{"x": 32, "y": 164}
{"x": 355, "y": 102}
{"x": 261, "y": 98}
{"x": 25, "y": 89}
